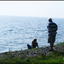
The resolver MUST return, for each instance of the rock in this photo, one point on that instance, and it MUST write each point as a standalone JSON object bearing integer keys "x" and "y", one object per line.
{"x": 33, "y": 52}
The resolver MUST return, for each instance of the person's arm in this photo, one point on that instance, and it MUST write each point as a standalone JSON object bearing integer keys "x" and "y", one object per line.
{"x": 49, "y": 29}
{"x": 32, "y": 45}
{"x": 52, "y": 32}
{"x": 37, "y": 45}
{"x": 56, "y": 29}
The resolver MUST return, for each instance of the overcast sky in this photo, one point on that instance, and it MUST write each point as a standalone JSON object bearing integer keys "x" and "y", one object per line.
{"x": 33, "y": 8}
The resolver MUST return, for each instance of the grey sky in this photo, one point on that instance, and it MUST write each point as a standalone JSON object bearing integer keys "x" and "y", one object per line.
{"x": 33, "y": 8}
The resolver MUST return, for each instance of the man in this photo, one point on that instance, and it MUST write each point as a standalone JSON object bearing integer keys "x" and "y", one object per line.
{"x": 52, "y": 28}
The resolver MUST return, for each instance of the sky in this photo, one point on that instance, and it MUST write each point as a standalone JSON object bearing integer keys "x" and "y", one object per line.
{"x": 53, "y": 9}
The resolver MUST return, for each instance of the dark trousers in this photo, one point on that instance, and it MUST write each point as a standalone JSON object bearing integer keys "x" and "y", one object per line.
{"x": 29, "y": 47}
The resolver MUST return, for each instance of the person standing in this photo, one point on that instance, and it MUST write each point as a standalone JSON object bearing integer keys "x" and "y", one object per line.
{"x": 52, "y": 31}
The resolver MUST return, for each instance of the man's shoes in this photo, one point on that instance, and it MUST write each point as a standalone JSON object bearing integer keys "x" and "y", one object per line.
{"x": 51, "y": 50}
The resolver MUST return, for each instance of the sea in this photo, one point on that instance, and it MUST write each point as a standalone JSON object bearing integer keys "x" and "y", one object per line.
{"x": 17, "y": 31}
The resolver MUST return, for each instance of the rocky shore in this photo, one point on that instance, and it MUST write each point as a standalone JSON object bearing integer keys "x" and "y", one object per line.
{"x": 32, "y": 52}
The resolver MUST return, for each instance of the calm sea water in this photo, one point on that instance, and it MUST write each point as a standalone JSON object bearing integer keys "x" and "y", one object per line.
{"x": 17, "y": 32}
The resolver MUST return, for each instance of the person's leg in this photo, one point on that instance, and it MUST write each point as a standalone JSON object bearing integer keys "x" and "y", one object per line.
{"x": 29, "y": 47}
{"x": 51, "y": 41}
{"x": 51, "y": 46}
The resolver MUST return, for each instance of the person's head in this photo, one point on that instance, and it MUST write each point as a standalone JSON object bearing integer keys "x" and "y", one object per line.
{"x": 50, "y": 20}
{"x": 35, "y": 39}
